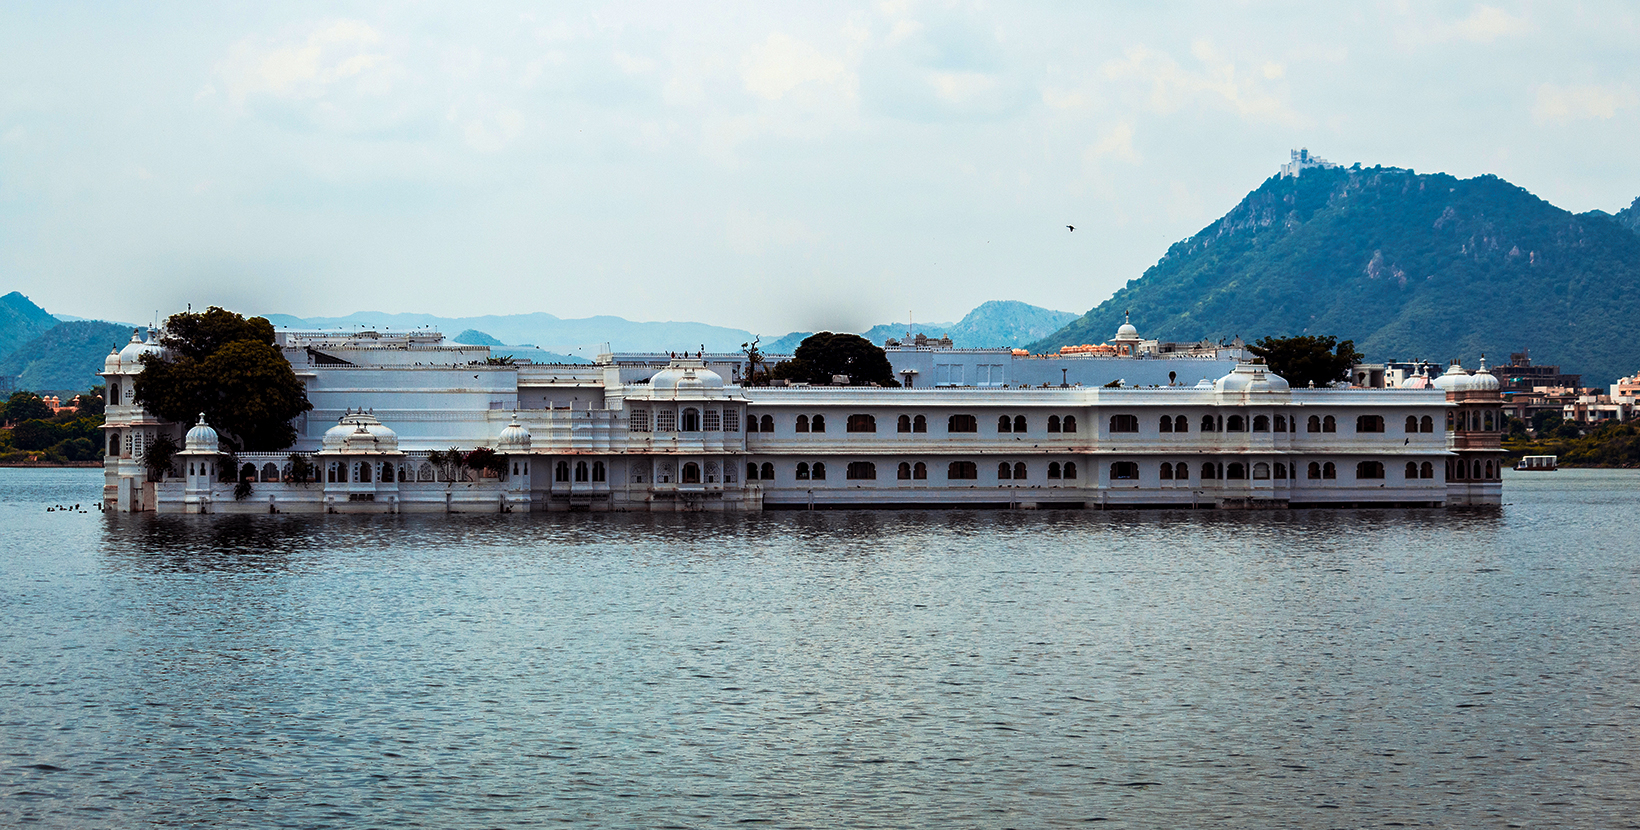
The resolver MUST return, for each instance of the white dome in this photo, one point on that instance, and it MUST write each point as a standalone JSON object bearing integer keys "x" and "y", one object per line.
{"x": 686, "y": 374}
{"x": 514, "y": 439}
{"x": 1204, "y": 383}
{"x": 1251, "y": 377}
{"x": 111, "y": 364}
{"x": 1455, "y": 380}
{"x": 129, "y": 356}
{"x": 360, "y": 433}
{"x": 1483, "y": 380}
{"x": 201, "y": 438}
{"x": 1127, "y": 332}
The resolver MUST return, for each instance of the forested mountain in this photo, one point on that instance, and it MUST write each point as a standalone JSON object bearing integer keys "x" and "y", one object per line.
{"x": 66, "y": 358}
{"x": 1406, "y": 265}
{"x": 992, "y": 324}
{"x": 20, "y": 322}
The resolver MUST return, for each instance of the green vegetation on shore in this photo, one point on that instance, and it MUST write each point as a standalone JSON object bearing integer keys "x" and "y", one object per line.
{"x": 1607, "y": 445}
{"x": 34, "y": 435}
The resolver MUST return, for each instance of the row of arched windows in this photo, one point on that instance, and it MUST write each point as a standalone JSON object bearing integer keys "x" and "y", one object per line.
{"x": 582, "y": 471}
{"x": 691, "y": 419}
{"x": 1475, "y": 420}
{"x": 910, "y": 471}
{"x": 1472, "y": 470}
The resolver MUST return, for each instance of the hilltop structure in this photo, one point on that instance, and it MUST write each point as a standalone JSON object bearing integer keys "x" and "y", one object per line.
{"x": 1302, "y": 160}
{"x": 671, "y": 433}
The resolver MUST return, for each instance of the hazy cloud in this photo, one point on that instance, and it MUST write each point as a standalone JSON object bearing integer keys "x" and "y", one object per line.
{"x": 1571, "y": 103}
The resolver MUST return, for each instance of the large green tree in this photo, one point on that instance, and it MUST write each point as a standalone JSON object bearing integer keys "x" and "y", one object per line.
{"x": 1304, "y": 359}
{"x": 24, "y": 406}
{"x": 227, "y": 367}
{"x": 823, "y": 355}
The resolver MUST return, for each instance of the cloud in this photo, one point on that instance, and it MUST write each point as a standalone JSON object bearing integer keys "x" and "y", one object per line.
{"x": 1219, "y": 82}
{"x": 1570, "y": 103}
{"x": 782, "y": 63}
{"x": 337, "y": 51}
{"x": 1483, "y": 25}
{"x": 1117, "y": 143}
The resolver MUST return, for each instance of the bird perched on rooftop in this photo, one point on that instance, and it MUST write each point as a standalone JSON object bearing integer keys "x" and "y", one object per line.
{"x": 1072, "y": 227}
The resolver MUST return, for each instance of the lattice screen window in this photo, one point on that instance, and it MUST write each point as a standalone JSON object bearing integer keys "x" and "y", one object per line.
{"x": 709, "y": 421}
{"x": 731, "y": 423}
{"x": 639, "y": 420}
{"x": 666, "y": 420}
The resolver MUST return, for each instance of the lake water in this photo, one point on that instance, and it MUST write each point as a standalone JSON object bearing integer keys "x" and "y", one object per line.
{"x": 1464, "y": 668}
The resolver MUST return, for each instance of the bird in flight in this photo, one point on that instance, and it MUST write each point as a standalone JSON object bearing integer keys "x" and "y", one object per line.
{"x": 1072, "y": 227}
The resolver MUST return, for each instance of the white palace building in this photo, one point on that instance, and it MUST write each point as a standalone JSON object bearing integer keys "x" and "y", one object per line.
{"x": 665, "y": 433}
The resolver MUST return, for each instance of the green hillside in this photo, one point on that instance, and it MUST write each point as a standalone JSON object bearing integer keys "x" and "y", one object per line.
{"x": 20, "y": 322}
{"x": 1406, "y": 265}
{"x": 66, "y": 358}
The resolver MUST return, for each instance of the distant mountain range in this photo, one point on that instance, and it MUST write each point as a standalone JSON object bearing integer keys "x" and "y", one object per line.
{"x": 1407, "y": 265}
{"x": 48, "y": 355}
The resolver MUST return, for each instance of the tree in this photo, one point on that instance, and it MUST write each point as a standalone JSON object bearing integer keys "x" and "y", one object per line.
{"x": 756, "y": 373}
{"x": 92, "y": 401}
{"x": 157, "y": 458}
{"x": 1306, "y": 359}
{"x": 822, "y": 355}
{"x": 227, "y": 367}
{"x": 25, "y": 406}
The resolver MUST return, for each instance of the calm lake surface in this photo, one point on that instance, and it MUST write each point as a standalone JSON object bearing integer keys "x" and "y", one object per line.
{"x": 1476, "y": 668}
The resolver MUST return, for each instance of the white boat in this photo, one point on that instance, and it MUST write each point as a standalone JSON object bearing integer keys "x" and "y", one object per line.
{"x": 1537, "y": 463}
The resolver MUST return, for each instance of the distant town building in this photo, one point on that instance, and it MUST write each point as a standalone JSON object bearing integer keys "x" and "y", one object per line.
{"x": 1301, "y": 161}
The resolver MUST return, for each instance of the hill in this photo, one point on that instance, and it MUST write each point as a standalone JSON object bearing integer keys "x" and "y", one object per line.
{"x": 580, "y": 337}
{"x": 66, "y": 358}
{"x": 1407, "y": 265}
{"x": 473, "y": 337}
{"x": 20, "y": 322}
{"x": 992, "y": 324}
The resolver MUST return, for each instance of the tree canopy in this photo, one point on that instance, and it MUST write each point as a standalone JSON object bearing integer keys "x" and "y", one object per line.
{"x": 24, "y": 406}
{"x": 227, "y": 367}
{"x": 1304, "y": 359}
{"x": 823, "y": 354}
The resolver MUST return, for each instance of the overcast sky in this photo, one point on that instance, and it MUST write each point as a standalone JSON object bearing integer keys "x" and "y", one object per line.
{"x": 766, "y": 166}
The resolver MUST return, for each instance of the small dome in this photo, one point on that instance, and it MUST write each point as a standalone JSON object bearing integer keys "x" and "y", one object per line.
{"x": 111, "y": 364}
{"x": 686, "y": 374}
{"x": 129, "y": 356}
{"x": 1455, "y": 379}
{"x": 201, "y": 438}
{"x": 1127, "y": 331}
{"x": 359, "y": 433}
{"x": 1251, "y": 377}
{"x": 1204, "y": 383}
{"x": 514, "y": 439}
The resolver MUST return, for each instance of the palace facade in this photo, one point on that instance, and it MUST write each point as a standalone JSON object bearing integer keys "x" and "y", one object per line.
{"x": 666, "y": 433}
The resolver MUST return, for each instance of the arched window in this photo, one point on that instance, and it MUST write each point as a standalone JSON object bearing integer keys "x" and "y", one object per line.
{"x": 113, "y": 443}
{"x": 1209, "y": 471}
{"x": 1019, "y": 423}
{"x": 598, "y": 471}
{"x": 1237, "y": 471}
{"x": 860, "y": 471}
{"x": 1236, "y": 424}
{"x": 1070, "y": 469}
{"x": 1005, "y": 471}
{"x": 1315, "y": 470}
{"x": 1488, "y": 423}
{"x": 751, "y": 422}
{"x": 1426, "y": 424}
{"x": 751, "y": 471}
{"x": 818, "y": 424}
{"x": 802, "y": 471}
{"x": 1005, "y": 423}
{"x": 269, "y": 472}
{"x": 919, "y": 424}
{"x": 1054, "y": 470}
{"x": 903, "y": 471}
{"x": 114, "y": 396}
{"x": 768, "y": 471}
{"x": 1207, "y": 423}
{"x": 1019, "y": 471}
{"x": 962, "y": 471}
{"x": 1369, "y": 469}
{"x": 1069, "y": 424}
{"x": 1053, "y": 423}
{"x": 1124, "y": 423}
{"x": 361, "y": 473}
{"x": 560, "y": 471}
{"x": 1261, "y": 471}
{"x": 406, "y": 475}
{"x": 919, "y": 471}
{"x": 1328, "y": 470}
{"x": 581, "y": 471}
{"x": 1454, "y": 472}
{"x": 1412, "y": 469}
{"x": 904, "y": 424}
{"x": 1181, "y": 424}
{"x": 1281, "y": 423}
{"x": 1369, "y": 423}
{"x": 691, "y": 473}
{"x": 802, "y": 423}
{"x": 387, "y": 473}
{"x": 1451, "y": 421}
{"x": 819, "y": 471}
{"x": 1281, "y": 470}
{"x": 1165, "y": 425}
{"x": 862, "y": 423}
{"x": 1412, "y": 423}
{"x": 691, "y": 420}
{"x": 1426, "y": 470}
{"x": 1314, "y": 424}
{"x": 1167, "y": 467}
{"x": 1181, "y": 471}
{"x": 962, "y": 423}
{"x": 1261, "y": 423}
{"x": 1477, "y": 470}
{"x": 767, "y": 423}
{"x": 1124, "y": 471}
{"x": 1329, "y": 424}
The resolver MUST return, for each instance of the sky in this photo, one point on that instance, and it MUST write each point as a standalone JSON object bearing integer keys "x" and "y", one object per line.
{"x": 772, "y": 167}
